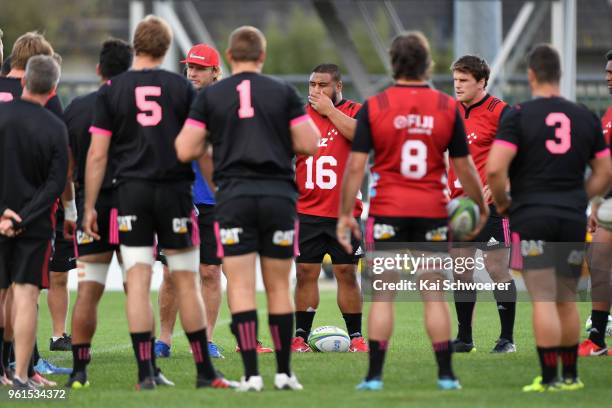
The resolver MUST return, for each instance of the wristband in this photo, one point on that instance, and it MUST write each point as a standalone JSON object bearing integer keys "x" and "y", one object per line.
{"x": 70, "y": 211}
{"x": 597, "y": 200}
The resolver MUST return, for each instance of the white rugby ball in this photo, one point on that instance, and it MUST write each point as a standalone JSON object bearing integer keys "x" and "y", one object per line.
{"x": 329, "y": 339}
{"x": 463, "y": 214}
{"x": 604, "y": 214}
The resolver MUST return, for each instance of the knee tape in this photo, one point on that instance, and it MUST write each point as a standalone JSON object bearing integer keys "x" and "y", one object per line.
{"x": 136, "y": 255}
{"x": 185, "y": 261}
{"x": 92, "y": 272}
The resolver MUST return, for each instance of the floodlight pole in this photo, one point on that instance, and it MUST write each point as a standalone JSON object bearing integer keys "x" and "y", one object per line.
{"x": 563, "y": 26}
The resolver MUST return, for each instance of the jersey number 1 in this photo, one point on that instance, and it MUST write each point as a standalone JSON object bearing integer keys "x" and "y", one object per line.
{"x": 246, "y": 108}
{"x": 150, "y": 111}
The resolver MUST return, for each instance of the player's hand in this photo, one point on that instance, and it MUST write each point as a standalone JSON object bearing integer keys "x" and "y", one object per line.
{"x": 592, "y": 224}
{"x": 10, "y": 215}
{"x": 346, "y": 226}
{"x": 503, "y": 207}
{"x": 486, "y": 191}
{"x": 69, "y": 229}
{"x": 321, "y": 103}
{"x": 482, "y": 220}
{"x": 90, "y": 223}
{"x": 7, "y": 228}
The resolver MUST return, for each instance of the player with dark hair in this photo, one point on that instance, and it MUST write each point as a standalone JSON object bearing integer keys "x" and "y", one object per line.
{"x": 600, "y": 256}
{"x": 137, "y": 116}
{"x": 203, "y": 69}
{"x": 481, "y": 115}
{"x": 318, "y": 180}
{"x": 93, "y": 256}
{"x": 31, "y": 179}
{"x": 543, "y": 146}
{"x": 255, "y": 124}
{"x": 409, "y": 126}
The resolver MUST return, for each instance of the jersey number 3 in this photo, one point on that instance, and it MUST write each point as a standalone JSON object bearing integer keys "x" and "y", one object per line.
{"x": 563, "y": 137}
{"x": 150, "y": 111}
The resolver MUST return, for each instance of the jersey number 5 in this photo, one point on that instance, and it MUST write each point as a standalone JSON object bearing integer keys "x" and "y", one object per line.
{"x": 150, "y": 111}
{"x": 563, "y": 136}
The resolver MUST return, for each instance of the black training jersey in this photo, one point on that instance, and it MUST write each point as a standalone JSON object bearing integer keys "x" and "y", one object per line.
{"x": 34, "y": 164}
{"x": 10, "y": 88}
{"x": 248, "y": 117}
{"x": 554, "y": 140}
{"x": 143, "y": 111}
{"x": 78, "y": 118}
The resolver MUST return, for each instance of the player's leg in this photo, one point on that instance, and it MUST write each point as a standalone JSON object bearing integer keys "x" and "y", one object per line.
{"x": 570, "y": 332}
{"x": 600, "y": 263}
{"x": 58, "y": 297}
{"x": 380, "y": 328}
{"x": 168, "y": 309}
{"x": 7, "y": 338}
{"x": 306, "y": 302}
{"x": 3, "y": 378}
{"x": 496, "y": 263}
{"x": 465, "y": 301}
{"x": 210, "y": 273}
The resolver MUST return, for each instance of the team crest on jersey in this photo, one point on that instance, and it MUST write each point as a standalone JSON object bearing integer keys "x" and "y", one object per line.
{"x": 415, "y": 124}
{"x": 125, "y": 222}
{"x": 532, "y": 248}
{"x": 607, "y": 128}
{"x": 230, "y": 236}
{"x": 472, "y": 137}
{"x": 179, "y": 225}
{"x": 437, "y": 235}
{"x": 283, "y": 238}
{"x": 82, "y": 238}
{"x": 383, "y": 231}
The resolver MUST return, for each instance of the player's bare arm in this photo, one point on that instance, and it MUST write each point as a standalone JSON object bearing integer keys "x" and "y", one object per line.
{"x": 189, "y": 143}
{"x": 470, "y": 180}
{"x": 353, "y": 176}
{"x": 68, "y": 201}
{"x": 598, "y": 183}
{"x": 97, "y": 158}
{"x": 499, "y": 161}
{"x": 305, "y": 137}
{"x": 206, "y": 167}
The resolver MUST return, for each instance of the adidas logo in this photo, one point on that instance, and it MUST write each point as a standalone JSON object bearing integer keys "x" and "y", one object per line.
{"x": 492, "y": 242}
{"x": 501, "y": 307}
{"x": 359, "y": 251}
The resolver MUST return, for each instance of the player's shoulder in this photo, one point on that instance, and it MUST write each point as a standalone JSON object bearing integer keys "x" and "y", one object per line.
{"x": 350, "y": 107}
{"x": 11, "y": 85}
{"x": 81, "y": 101}
{"x": 495, "y": 105}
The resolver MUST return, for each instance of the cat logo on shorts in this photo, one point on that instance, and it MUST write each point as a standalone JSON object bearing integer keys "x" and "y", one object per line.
{"x": 82, "y": 238}
{"x": 532, "y": 248}
{"x": 437, "y": 235}
{"x": 125, "y": 222}
{"x": 283, "y": 238}
{"x": 230, "y": 236}
{"x": 575, "y": 258}
{"x": 179, "y": 225}
{"x": 383, "y": 231}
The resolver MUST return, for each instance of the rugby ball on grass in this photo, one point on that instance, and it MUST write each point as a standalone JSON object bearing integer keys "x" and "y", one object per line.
{"x": 329, "y": 339}
{"x": 463, "y": 214}
{"x": 604, "y": 214}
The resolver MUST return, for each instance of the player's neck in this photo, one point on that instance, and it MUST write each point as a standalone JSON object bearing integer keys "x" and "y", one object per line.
{"x": 402, "y": 81}
{"x": 34, "y": 98}
{"x": 145, "y": 62}
{"x": 475, "y": 100}
{"x": 545, "y": 90}
{"x": 16, "y": 73}
{"x": 241, "y": 67}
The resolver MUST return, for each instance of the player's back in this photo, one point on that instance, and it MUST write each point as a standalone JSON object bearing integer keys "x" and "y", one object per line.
{"x": 248, "y": 117}
{"x": 143, "y": 111}
{"x": 10, "y": 88}
{"x": 411, "y": 128}
{"x": 556, "y": 139}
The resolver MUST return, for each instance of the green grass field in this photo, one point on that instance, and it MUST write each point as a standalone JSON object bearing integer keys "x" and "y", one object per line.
{"x": 329, "y": 379}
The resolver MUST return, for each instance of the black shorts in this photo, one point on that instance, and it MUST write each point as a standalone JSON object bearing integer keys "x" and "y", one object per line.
{"x": 264, "y": 224}
{"x": 63, "y": 258}
{"x": 165, "y": 209}
{"x": 108, "y": 229}
{"x": 318, "y": 237}
{"x": 548, "y": 242}
{"x": 25, "y": 260}
{"x": 398, "y": 229}
{"x": 208, "y": 241}
{"x": 494, "y": 235}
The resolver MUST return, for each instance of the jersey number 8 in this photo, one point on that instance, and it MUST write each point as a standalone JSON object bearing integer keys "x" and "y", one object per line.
{"x": 414, "y": 159}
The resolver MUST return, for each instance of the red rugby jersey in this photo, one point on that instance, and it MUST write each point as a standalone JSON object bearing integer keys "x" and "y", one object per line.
{"x": 481, "y": 121}
{"x": 319, "y": 177}
{"x": 409, "y": 128}
{"x": 606, "y": 124}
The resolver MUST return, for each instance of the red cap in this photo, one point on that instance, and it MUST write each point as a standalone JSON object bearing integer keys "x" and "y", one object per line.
{"x": 202, "y": 54}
